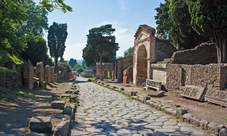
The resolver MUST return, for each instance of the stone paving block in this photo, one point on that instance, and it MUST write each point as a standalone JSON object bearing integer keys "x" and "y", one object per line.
{"x": 40, "y": 124}
{"x": 194, "y": 121}
{"x": 58, "y": 104}
{"x": 213, "y": 127}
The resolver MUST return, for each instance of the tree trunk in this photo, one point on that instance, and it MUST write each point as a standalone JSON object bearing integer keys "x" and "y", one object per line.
{"x": 56, "y": 65}
{"x": 221, "y": 44}
{"x": 101, "y": 68}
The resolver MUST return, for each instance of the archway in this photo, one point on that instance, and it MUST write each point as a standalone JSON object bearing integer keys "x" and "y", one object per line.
{"x": 141, "y": 65}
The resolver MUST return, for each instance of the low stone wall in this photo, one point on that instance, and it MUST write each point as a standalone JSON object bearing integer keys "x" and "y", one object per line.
{"x": 202, "y": 54}
{"x": 11, "y": 80}
{"x": 197, "y": 75}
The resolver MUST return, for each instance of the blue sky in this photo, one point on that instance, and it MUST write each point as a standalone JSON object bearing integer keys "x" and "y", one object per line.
{"x": 124, "y": 15}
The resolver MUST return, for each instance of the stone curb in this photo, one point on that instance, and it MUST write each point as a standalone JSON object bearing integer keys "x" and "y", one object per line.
{"x": 179, "y": 113}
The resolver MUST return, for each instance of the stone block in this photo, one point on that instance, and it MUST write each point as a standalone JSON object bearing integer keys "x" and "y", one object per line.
{"x": 223, "y": 132}
{"x": 156, "y": 93}
{"x": 127, "y": 85}
{"x": 204, "y": 124}
{"x": 193, "y": 92}
{"x": 216, "y": 96}
{"x": 58, "y": 104}
{"x": 40, "y": 124}
{"x": 180, "y": 112}
{"x": 61, "y": 129}
{"x": 213, "y": 127}
{"x": 133, "y": 93}
{"x": 194, "y": 121}
{"x": 187, "y": 117}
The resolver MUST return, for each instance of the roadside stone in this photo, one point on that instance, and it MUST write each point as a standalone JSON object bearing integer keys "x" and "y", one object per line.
{"x": 181, "y": 112}
{"x": 223, "y": 132}
{"x": 213, "y": 127}
{"x": 187, "y": 117}
{"x": 204, "y": 124}
{"x": 195, "y": 121}
{"x": 40, "y": 124}
{"x": 61, "y": 129}
{"x": 58, "y": 104}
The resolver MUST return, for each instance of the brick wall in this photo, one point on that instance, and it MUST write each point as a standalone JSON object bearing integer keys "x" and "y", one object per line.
{"x": 198, "y": 75}
{"x": 121, "y": 65}
{"x": 202, "y": 54}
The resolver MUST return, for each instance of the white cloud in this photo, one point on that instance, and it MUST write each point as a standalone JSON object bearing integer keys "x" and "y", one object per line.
{"x": 124, "y": 37}
{"x": 123, "y": 6}
{"x": 74, "y": 51}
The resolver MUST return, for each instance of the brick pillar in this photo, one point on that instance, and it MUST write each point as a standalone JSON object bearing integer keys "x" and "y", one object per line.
{"x": 40, "y": 73}
{"x": 47, "y": 74}
{"x": 28, "y": 74}
{"x": 52, "y": 74}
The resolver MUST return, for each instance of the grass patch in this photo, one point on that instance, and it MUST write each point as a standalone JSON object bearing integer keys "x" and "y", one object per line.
{"x": 7, "y": 57}
{"x": 27, "y": 129}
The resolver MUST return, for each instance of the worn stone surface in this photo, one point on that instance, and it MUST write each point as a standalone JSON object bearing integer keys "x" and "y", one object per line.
{"x": 58, "y": 104}
{"x": 40, "y": 124}
{"x": 216, "y": 96}
{"x": 193, "y": 92}
{"x": 61, "y": 129}
{"x": 106, "y": 112}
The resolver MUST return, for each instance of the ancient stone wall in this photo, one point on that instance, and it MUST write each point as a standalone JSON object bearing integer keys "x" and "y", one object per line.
{"x": 105, "y": 67}
{"x": 40, "y": 73}
{"x": 11, "y": 80}
{"x": 197, "y": 75}
{"x": 121, "y": 65}
{"x": 202, "y": 54}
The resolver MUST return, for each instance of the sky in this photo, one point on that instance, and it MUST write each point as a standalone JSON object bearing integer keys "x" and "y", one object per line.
{"x": 124, "y": 15}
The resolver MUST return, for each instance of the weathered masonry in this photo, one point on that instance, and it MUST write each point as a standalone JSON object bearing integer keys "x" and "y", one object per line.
{"x": 148, "y": 49}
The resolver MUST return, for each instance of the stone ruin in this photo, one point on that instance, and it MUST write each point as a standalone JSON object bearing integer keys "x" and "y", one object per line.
{"x": 106, "y": 67}
{"x": 192, "y": 73}
{"x": 28, "y": 76}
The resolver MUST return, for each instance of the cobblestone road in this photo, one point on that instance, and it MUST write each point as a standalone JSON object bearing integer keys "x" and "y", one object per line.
{"x": 106, "y": 112}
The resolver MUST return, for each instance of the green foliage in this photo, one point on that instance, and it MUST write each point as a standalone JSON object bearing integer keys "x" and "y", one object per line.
{"x": 36, "y": 51}
{"x": 209, "y": 18}
{"x": 78, "y": 68}
{"x": 129, "y": 52}
{"x": 57, "y": 35}
{"x": 72, "y": 62}
{"x": 173, "y": 22}
{"x": 101, "y": 45}
{"x": 5, "y": 70}
{"x": 50, "y": 5}
{"x": 61, "y": 65}
{"x": 7, "y": 57}
{"x": 84, "y": 64}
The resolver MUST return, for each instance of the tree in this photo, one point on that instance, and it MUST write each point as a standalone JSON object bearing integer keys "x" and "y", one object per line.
{"x": 84, "y": 65}
{"x": 12, "y": 14}
{"x": 129, "y": 52}
{"x": 100, "y": 44}
{"x": 173, "y": 22}
{"x": 62, "y": 65}
{"x": 36, "y": 51}
{"x": 50, "y": 5}
{"x": 78, "y": 68}
{"x": 181, "y": 34}
{"x": 209, "y": 18}
{"x": 163, "y": 20}
{"x": 72, "y": 62}
{"x": 57, "y": 35}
